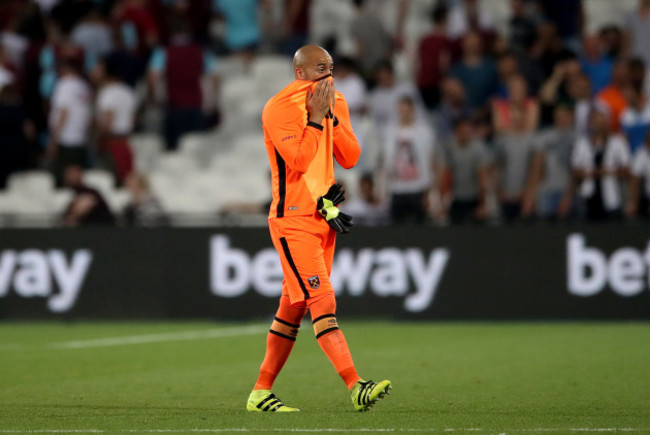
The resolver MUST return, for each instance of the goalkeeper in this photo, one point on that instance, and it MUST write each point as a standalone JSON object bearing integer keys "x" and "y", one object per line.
{"x": 306, "y": 126}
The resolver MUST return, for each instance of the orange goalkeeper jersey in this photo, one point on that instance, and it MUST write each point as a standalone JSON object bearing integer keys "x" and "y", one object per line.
{"x": 301, "y": 154}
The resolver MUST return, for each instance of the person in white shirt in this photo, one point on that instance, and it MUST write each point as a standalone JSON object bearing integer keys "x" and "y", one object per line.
{"x": 115, "y": 112}
{"x": 69, "y": 121}
{"x": 639, "y": 199}
{"x": 600, "y": 162}
{"x": 351, "y": 85}
{"x": 407, "y": 165}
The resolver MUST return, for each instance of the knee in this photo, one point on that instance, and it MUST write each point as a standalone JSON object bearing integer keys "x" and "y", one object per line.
{"x": 284, "y": 329}
{"x": 323, "y": 314}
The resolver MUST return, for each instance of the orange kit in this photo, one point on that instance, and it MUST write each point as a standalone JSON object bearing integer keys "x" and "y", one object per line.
{"x": 301, "y": 155}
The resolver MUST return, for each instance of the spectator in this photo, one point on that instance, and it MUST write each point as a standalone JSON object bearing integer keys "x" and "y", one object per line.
{"x": 514, "y": 150}
{"x": 639, "y": 200}
{"x": 635, "y": 119}
{"x": 373, "y": 42}
{"x": 69, "y": 122}
{"x": 637, "y": 75}
{"x": 519, "y": 101}
{"x": 368, "y": 210}
{"x": 295, "y": 26}
{"x": 468, "y": 16}
{"x": 596, "y": 64}
{"x": 434, "y": 59}
{"x": 612, "y": 96}
{"x": 137, "y": 24}
{"x": 580, "y": 95}
{"x": 453, "y": 107}
{"x": 611, "y": 38}
{"x": 351, "y": 85}
{"x": 506, "y": 69}
{"x": 15, "y": 130}
{"x": 243, "y": 31}
{"x": 568, "y": 16}
{"x": 115, "y": 111}
{"x": 93, "y": 34}
{"x": 87, "y": 207}
{"x": 8, "y": 72}
{"x": 638, "y": 31}
{"x": 466, "y": 161}
{"x": 521, "y": 28}
{"x": 128, "y": 61}
{"x": 548, "y": 50}
{"x": 384, "y": 98}
{"x": 600, "y": 161}
{"x": 143, "y": 209}
{"x": 407, "y": 164}
{"x": 182, "y": 63}
{"x": 551, "y": 165}
{"x": 476, "y": 72}
{"x": 57, "y": 49}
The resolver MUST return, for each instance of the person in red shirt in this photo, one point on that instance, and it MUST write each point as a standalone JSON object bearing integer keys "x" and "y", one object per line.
{"x": 434, "y": 58}
{"x": 307, "y": 126}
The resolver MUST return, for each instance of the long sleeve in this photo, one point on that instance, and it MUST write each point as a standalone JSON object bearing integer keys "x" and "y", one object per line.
{"x": 346, "y": 146}
{"x": 296, "y": 142}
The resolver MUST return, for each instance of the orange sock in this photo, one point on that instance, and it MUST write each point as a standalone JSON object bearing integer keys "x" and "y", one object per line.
{"x": 331, "y": 338}
{"x": 279, "y": 342}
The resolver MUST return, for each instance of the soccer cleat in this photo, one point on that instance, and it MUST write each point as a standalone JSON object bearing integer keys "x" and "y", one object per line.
{"x": 265, "y": 401}
{"x": 364, "y": 394}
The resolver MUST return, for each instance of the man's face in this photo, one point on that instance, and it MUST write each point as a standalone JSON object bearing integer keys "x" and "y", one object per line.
{"x": 317, "y": 67}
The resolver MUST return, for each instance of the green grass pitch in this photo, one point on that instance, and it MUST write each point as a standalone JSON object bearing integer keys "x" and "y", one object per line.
{"x": 490, "y": 378}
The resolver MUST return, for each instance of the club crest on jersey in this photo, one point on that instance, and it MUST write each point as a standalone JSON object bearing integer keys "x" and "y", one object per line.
{"x": 314, "y": 282}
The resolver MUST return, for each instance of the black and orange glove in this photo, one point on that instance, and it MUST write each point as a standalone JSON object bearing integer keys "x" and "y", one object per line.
{"x": 327, "y": 207}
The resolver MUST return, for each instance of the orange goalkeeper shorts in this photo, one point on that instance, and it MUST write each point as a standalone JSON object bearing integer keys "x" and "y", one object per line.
{"x": 306, "y": 248}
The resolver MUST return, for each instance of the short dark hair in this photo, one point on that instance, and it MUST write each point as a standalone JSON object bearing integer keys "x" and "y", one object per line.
{"x": 439, "y": 14}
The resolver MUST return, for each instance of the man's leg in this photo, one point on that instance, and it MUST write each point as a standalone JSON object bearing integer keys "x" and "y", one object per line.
{"x": 280, "y": 341}
{"x": 331, "y": 339}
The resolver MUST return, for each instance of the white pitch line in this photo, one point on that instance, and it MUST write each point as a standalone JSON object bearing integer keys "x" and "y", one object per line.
{"x": 325, "y": 430}
{"x": 157, "y": 338}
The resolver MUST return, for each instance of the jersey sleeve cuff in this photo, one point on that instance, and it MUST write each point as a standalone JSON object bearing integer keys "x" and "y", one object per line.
{"x": 313, "y": 124}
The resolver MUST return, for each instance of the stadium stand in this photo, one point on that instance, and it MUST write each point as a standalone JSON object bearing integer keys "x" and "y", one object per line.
{"x": 189, "y": 181}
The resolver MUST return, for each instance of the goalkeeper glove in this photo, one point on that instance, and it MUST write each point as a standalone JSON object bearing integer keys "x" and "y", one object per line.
{"x": 327, "y": 207}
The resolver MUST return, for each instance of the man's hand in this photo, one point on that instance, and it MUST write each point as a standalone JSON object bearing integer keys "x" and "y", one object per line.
{"x": 318, "y": 102}
{"x": 327, "y": 207}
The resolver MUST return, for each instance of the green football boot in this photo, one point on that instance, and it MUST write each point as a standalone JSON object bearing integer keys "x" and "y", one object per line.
{"x": 364, "y": 394}
{"x": 265, "y": 401}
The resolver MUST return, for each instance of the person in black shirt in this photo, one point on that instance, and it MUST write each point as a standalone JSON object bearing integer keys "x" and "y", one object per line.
{"x": 87, "y": 207}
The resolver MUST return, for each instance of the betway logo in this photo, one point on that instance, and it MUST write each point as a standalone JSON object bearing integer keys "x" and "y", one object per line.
{"x": 385, "y": 272}
{"x": 35, "y": 273}
{"x": 590, "y": 271}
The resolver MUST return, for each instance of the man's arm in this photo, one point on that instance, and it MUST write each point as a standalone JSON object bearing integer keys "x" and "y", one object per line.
{"x": 296, "y": 144}
{"x": 346, "y": 146}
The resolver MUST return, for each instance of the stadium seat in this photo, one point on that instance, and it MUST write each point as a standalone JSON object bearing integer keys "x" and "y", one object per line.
{"x": 31, "y": 183}
{"x": 59, "y": 200}
{"x": 147, "y": 148}
{"x": 174, "y": 163}
{"x": 199, "y": 147}
{"x": 271, "y": 66}
{"x": 117, "y": 200}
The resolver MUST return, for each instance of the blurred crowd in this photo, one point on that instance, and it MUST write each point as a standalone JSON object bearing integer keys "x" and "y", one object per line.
{"x": 539, "y": 118}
